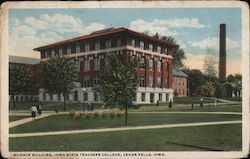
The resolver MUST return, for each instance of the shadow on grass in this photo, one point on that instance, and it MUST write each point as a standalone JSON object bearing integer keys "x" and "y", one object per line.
{"x": 193, "y": 146}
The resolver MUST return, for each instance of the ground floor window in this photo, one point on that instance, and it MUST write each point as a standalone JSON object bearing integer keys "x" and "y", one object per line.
{"x": 75, "y": 96}
{"x": 167, "y": 96}
{"x": 17, "y": 98}
{"x": 44, "y": 96}
{"x": 96, "y": 96}
{"x": 143, "y": 97}
{"x": 160, "y": 97}
{"x": 85, "y": 96}
{"x": 51, "y": 97}
{"x": 151, "y": 97}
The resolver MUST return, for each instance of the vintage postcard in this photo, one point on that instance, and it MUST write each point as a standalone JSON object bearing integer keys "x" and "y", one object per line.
{"x": 125, "y": 79}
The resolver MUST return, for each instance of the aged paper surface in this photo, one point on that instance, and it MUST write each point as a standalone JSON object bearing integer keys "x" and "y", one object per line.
{"x": 213, "y": 126}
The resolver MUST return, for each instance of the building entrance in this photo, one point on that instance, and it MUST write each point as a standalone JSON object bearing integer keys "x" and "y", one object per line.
{"x": 151, "y": 97}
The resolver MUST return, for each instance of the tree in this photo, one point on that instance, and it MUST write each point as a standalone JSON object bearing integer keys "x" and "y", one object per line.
{"x": 178, "y": 54}
{"x": 20, "y": 79}
{"x": 60, "y": 75}
{"x": 236, "y": 83}
{"x": 196, "y": 79}
{"x": 208, "y": 89}
{"x": 117, "y": 86}
{"x": 209, "y": 63}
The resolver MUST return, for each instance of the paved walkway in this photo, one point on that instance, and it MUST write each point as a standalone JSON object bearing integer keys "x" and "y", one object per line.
{"x": 124, "y": 128}
{"x": 222, "y": 113}
{"x": 26, "y": 120}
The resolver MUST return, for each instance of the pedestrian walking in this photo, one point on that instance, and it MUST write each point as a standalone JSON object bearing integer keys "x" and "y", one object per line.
{"x": 33, "y": 111}
{"x": 39, "y": 108}
{"x": 201, "y": 102}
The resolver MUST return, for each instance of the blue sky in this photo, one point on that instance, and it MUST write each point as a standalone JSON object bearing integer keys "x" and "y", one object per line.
{"x": 195, "y": 29}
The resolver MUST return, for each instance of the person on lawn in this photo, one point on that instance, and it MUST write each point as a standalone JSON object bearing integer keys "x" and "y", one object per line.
{"x": 39, "y": 108}
{"x": 33, "y": 112}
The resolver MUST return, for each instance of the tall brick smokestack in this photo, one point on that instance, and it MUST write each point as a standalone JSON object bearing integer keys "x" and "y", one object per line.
{"x": 222, "y": 59}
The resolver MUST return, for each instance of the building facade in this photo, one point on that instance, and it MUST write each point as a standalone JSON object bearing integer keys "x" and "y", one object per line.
{"x": 180, "y": 83}
{"x": 154, "y": 68}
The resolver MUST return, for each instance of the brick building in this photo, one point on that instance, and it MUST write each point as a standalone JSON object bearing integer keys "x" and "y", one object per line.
{"x": 180, "y": 83}
{"x": 154, "y": 70}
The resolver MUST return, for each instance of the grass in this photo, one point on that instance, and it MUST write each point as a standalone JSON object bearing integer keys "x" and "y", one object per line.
{"x": 64, "y": 122}
{"x": 191, "y": 100}
{"x": 202, "y": 138}
{"x": 196, "y": 108}
{"x": 15, "y": 118}
{"x": 233, "y": 98}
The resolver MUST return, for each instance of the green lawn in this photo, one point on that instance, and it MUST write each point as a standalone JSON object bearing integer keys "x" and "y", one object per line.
{"x": 196, "y": 108}
{"x": 64, "y": 122}
{"x": 191, "y": 100}
{"x": 14, "y": 118}
{"x": 203, "y": 138}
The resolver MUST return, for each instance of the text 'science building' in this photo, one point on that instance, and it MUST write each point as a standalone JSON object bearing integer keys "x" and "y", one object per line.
{"x": 154, "y": 69}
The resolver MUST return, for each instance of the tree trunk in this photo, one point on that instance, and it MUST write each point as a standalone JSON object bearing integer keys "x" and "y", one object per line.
{"x": 126, "y": 114}
{"x": 13, "y": 102}
{"x": 64, "y": 103}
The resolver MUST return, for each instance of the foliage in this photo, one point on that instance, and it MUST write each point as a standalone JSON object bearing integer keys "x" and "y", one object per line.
{"x": 209, "y": 63}
{"x": 236, "y": 83}
{"x": 20, "y": 80}
{"x": 118, "y": 80}
{"x": 178, "y": 55}
{"x": 196, "y": 79}
{"x": 208, "y": 89}
{"x": 59, "y": 74}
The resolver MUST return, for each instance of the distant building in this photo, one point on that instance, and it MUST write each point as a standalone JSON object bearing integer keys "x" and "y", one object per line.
{"x": 34, "y": 65}
{"x": 180, "y": 83}
{"x": 154, "y": 69}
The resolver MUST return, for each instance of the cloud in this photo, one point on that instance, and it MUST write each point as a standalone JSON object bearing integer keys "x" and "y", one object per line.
{"x": 214, "y": 43}
{"x": 164, "y": 26}
{"x": 31, "y": 32}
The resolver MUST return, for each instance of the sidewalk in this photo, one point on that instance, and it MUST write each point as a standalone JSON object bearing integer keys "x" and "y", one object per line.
{"x": 124, "y": 128}
{"x": 26, "y": 120}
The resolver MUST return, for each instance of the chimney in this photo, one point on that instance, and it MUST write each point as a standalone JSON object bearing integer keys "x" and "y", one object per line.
{"x": 222, "y": 58}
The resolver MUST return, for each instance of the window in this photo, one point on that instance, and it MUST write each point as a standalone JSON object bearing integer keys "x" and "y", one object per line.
{"x": 51, "y": 97}
{"x": 44, "y": 96}
{"x": 159, "y": 82}
{"x": 86, "y": 81}
{"x": 97, "y": 45}
{"x": 151, "y": 64}
{"x": 166, "y": 51}
{"x": 96, "y": 80}
{"x": 77, "y": 63}
{"x": 133, "y": 42}
{"x": 142, "y": 63}
{"x": 183, "y": 91}
{"x": 142, "y": 45}
{"x": 167, "y": 96}
{"x": 59, "y": 96}
{"x": 86, "y": 47}
{"x": 86, "y": 65}
{"x": 77, "y": 48}
{"x": 142, "y": 81}
{"x": 96, "y": 64}
{"x": 60, "y": 52}
{"x": 143, "y": 97}
{"x": 150, "y": 47}
{"x": 52, "y": 53}
{"x": 151, "y": 81}
{"x": 108, "y": 43}
{"x": 159, "y": 66}
{"x": 119, "y": 42}
{"x": 159, "y": 49}
{"x": 96, "y": 97}
{"x": 160, "y": 97}
{"x": 85, "y": 96}
{"x": 68, "y": 50}
{"x": 45, "y": 54}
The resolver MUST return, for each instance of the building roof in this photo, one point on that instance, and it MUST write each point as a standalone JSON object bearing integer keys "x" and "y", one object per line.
{"x": 23, "y": 60}
{"x": 179, "y": 73}
{"x": 103, "y": 33}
